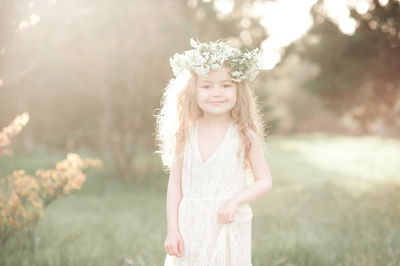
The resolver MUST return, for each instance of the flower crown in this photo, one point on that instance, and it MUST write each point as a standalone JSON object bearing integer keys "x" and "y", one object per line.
{"x": 206, "y": 56}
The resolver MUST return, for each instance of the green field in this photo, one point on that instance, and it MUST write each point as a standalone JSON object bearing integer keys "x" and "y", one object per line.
{"x": 334, "y": 201}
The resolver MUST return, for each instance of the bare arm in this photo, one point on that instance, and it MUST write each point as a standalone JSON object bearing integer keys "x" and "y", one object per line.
{"x": 174, "y": 196}
{"x": 173, "y": 244}
{"x": 261, "y": 173}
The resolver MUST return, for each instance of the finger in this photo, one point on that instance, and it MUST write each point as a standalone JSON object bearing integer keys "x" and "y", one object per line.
{"x": 176, "y": 252}
{"x": 169, "y": 250}
{"x": 227, "y": 217}
{"x": 166, "y": 248}
{"x": 180, "y": 248}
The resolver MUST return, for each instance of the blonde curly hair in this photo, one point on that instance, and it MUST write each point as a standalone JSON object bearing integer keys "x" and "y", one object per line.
{"x": 179, "y": 111}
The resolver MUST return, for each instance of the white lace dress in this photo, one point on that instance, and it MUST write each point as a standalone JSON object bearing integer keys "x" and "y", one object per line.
{"x": 205, "y": 187}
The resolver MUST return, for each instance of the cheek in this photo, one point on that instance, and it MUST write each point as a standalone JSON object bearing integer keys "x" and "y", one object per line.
{"x": 233, "y": 95}
{"x": 234, "y": 101}
{"x": 200, "y": 99}
{"x": 201, "y": 95}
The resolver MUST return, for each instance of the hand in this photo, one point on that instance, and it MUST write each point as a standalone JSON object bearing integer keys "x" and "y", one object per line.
{"x": 226, "y": 214}
{"x": 173, "y": 244}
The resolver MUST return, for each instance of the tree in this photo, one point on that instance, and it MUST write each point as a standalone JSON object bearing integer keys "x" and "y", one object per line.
{"x": 359, "y": 73}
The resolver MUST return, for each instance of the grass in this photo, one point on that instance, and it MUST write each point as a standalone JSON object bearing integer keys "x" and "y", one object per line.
{"x": 334, "y": 201}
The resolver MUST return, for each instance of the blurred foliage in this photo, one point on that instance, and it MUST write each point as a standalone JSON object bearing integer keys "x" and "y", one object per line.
{"x": 10, "y": 131}
{"x": 89, "y": 72}
{"x": 358, "y": 73}
{"x": 23, "y": 197}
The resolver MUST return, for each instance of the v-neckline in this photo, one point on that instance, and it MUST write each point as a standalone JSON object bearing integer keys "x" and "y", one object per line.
{"x": 218, "y": 148}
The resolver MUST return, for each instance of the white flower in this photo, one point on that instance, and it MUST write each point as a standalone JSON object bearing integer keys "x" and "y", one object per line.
{"x": 206, "y": 56}
{"x": 252, "y": 76}
{"x": 215, "y": 66}
{"x": 206, "y": 68}
{"x": 193, "y": 43}
{"x": 236, "y": 73}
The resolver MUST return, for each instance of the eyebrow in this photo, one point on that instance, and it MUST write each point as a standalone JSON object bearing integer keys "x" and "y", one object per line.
{"x": 225, "y": 80}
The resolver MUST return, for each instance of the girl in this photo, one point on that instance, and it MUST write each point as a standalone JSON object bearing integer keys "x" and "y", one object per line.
{"x": 209, "y": 135}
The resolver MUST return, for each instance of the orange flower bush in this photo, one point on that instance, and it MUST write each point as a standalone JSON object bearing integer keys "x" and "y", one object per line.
{"x": 65, "y": 178}
{"x": 13, "y": 129}
{"x": 23, "y": 197}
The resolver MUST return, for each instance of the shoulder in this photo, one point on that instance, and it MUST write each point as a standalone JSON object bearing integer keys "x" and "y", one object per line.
{"x": 251, "y": 133}
{"x": 254, "y": 139}
{"x": 191, "y": 129}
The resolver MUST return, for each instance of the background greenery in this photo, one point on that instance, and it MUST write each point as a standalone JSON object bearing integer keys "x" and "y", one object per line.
{"x": 91, "y": 73}
{"x": 316, "y": 214}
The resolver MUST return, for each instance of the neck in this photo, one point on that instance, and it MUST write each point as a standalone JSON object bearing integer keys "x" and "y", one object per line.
{"x": 216, "y": 120}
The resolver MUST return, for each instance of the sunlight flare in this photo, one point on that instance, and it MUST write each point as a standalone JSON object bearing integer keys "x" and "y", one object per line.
{"x": 32, "y": 21}
{"x": 224, "y": 6}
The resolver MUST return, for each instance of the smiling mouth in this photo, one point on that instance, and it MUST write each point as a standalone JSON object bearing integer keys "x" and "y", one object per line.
{"x": 218, "y": 102}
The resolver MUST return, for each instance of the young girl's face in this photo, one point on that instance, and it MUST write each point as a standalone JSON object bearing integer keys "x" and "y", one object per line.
{"x": 216, "y": 92}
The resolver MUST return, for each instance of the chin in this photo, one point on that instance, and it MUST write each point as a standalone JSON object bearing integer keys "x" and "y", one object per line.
{"x": 217, "y": 113}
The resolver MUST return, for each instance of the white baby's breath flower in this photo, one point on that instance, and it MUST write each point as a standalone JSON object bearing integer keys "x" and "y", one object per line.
{"x": 253, "y": 76}
{"x": 206, "y": 56}
{"x": 193, "y": 43}
{"x": 235, "y": 73}
{"x": 215, "y": 66}
{"x": 236, "y": 79}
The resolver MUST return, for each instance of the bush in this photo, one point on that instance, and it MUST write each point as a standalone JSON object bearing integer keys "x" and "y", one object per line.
{"x": 23, "y": 197}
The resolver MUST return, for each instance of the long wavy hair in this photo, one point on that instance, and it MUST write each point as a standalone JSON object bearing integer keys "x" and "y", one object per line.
{"x": 179, "y": 111}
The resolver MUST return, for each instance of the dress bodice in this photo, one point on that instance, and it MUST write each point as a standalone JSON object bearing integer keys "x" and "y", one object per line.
{"x": 222, "y": 175}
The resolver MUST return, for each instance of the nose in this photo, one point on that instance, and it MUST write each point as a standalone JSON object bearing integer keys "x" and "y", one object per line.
{"x": 216, "y": 91}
